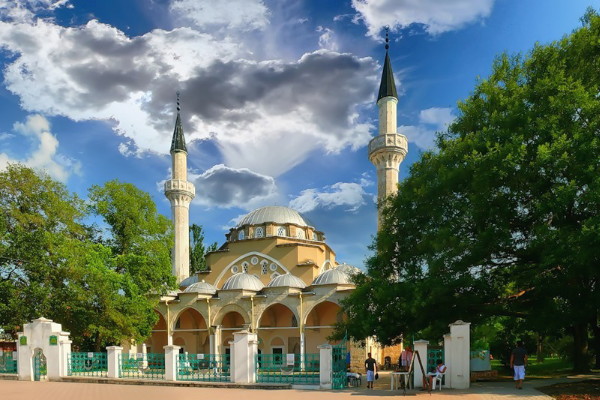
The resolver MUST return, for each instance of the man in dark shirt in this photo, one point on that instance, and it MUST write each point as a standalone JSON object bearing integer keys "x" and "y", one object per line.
{"x": 518, "y": 361}
{"x": 371, "y": 367}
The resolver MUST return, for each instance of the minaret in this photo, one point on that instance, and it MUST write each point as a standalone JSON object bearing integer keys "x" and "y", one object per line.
{"x": 388, "y": 149}
{"x": 180, "y": 193}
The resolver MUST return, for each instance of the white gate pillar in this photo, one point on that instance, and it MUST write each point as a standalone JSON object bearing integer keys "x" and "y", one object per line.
{"x": 171, "y": 362}
{"x": 48, "y": 336}
{"x": 421, "y": 347}
{"x": 458, "y": 355}
{"x": 244, "y": 349}
{"x": 325, "y": 366}
{"x": 113, "y": 354}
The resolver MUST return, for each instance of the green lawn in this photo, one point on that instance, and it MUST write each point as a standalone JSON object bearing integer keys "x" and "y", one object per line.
{"x": 550, "y": 368}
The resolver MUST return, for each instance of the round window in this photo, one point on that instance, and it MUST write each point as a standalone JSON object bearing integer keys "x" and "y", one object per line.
{"x": 235, "y": 269}
{"x": 273, "y": 267}
{"x": 254, "y": 260}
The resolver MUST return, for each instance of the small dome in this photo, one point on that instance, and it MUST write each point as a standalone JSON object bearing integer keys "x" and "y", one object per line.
{"x": 201, "y": 288}
{"x": 188, "y": 281}
{"x": 348, "y": 269}
{"x": 275, "y": 214}
{"x": 332, "y": 277}
{"x": 243, "y": 281}
{"x": 287, "y": 280}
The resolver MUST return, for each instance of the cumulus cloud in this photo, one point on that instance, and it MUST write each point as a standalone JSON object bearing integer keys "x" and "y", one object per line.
{"x": 247, "y": 107}
{"x": 45, "y": 156}
{"x": 27, "y": 10}
{"x": 437, "y": 16}
{"x": 222, "y": 186}
{"x": 347, "y": 194}
{"x": 233, "y": 14}
{"x": 431, "y": 120}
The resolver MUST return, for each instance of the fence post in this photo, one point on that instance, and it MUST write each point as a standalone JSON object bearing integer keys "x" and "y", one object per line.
{"x": 459, "y": 355}
{"x": 421, "y": 347}
{"x": 113, "y": 354}
{"x": 447, "y": 359}
{"x": 244, "y": 349}
{"x": 171, "y": 362}
{"x": 325, "y": 366}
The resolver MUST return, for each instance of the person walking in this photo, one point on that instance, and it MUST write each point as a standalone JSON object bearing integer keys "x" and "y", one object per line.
{"x": 371, "y": 367}
{"x": 518, "y": 361}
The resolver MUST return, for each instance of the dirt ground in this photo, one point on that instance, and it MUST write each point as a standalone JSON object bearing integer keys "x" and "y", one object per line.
{"x": 584, "y": 390}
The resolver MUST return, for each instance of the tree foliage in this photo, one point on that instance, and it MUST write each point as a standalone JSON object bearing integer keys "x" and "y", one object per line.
{"x": 503, "y": 219}
{"x": 54, "y": 265}
{"x": 198, "y": 250}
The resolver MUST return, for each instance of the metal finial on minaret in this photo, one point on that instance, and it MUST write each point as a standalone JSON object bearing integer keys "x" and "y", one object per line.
{"x": 178, "y": 103}
{"x": 387, "y": 38}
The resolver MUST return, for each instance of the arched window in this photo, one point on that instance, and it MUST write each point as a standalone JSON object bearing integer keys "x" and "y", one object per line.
{"x": 241, "y": 235}
{"x": 259, "y": 232}
{"x": 300, "y": 234}
{"x": 281, "y": 231}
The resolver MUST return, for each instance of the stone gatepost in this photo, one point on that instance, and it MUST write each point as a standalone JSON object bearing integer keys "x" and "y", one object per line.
{"x": 244, "y": 349}
{"x": 325, "y": 366}
{"x": 421, "y": 348}
{"x": 171, "y": 362}
{"x": 47, "y": 336}
{"x": 457, "y": 353}
{"x": 113, "y": 354}
{"x": 447, "y": 347}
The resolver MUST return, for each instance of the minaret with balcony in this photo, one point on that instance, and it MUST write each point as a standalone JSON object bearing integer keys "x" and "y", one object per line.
{"x": 180, "y": 193}
{"x": 388, "y": 149}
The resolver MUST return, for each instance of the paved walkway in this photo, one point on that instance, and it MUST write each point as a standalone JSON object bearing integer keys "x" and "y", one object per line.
{"x": 16, "y": 390}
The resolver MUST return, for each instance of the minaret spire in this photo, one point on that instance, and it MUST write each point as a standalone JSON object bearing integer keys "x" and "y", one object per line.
{"x": 180, "y": 193}
{"x": 388, "y": 149}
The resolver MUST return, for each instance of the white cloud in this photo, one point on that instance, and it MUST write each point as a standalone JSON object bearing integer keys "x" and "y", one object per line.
{"x": 431, "y": 120}
{"x": 348, "y": 194}
{"x": 327, "y": 39}
{"x": 45, "y": 156}
{"x": 28, "y": 10}
{"x": 222, "y": 186}
{"x": 243, "y": 15}
{"x": 247, "y": 107}
{"x": 437, "y": 16}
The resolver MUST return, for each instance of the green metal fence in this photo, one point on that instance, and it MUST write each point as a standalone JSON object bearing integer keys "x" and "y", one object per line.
{"x": 8, "y": 364}
{"x": 143, "y": 366}
{"x": 340, "y": 368}
{"x": 40, "y": 369}
{"x": 432, "y": 356}
{"x": 87, "y": 364}
{"x": 298, "y": 369}
{"x": 203, "y": 367}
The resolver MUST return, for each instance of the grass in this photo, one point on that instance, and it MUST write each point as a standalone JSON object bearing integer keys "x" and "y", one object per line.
{"x": 549, "y": 368}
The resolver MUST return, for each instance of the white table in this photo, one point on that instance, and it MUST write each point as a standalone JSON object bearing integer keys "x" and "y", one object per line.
{"x": 398, "y": 377}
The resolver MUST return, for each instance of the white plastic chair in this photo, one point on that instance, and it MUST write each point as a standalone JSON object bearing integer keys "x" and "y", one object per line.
{"x": 438, "y": 380}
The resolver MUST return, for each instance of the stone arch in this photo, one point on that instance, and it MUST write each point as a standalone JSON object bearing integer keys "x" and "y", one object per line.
{"x": 251, "y": 253}
{"x": 326, "y": 266}
{"x": 159, "y": 338}
{"x": 326, "y": 313}
{"x": 190, "y": 327}
{"x": 277, "y": 315}
{"x": 189, "y": 318}
{"x": 218, "y": 318}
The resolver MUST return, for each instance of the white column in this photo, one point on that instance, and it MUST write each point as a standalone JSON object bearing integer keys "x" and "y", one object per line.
{"x": 24, "y": 361}
{"x": 447, "y": 347}
{"x": 421, "y": 347}
{"x": 244, "y": 349}
{"x": 325, "y": 366}
{"x": 113, "y": 354}
{"x": 459, "y": 361}
{"x": 171, "y": 362}
{"x": 144, "y": 356}
{"x": 302, "y": 354}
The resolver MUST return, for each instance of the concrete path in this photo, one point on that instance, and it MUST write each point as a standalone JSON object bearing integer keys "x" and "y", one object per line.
{"x": 16, "y": 390}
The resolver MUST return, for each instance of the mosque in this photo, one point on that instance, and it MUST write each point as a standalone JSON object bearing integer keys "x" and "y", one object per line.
{"x": 275, "y": 274}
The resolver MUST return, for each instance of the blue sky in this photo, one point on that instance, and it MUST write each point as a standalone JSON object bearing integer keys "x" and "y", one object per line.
{"x": 277, "y": 97}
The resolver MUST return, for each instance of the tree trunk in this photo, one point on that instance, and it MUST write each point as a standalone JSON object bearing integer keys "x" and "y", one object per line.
{"x": 596, "y": 330}
{"x": 581, "y": 360}
{"x": 540, "y": 348}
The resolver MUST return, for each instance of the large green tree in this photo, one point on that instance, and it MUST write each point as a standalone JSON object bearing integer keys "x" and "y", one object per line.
{"x": 503, "y": 218}
{"x": 101, "y": 287}
{"x": 198, "y": 250}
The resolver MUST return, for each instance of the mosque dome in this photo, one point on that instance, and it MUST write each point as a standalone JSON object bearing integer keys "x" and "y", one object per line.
{"x": 188, "y": 281}
{"x": 274, "y": 214}
{"x": 348, "y": 269}
{"x": 287, "y": 280}
{"x": 243, "y": 281}
{"x": 332, "y": 277}
{"x": 201, "y": 288}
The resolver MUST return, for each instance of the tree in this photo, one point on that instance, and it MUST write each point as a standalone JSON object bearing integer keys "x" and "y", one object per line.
{"x": 102, "y": 289}
{"x": 198, "y": 250}
{"x": 504, "y": 218}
